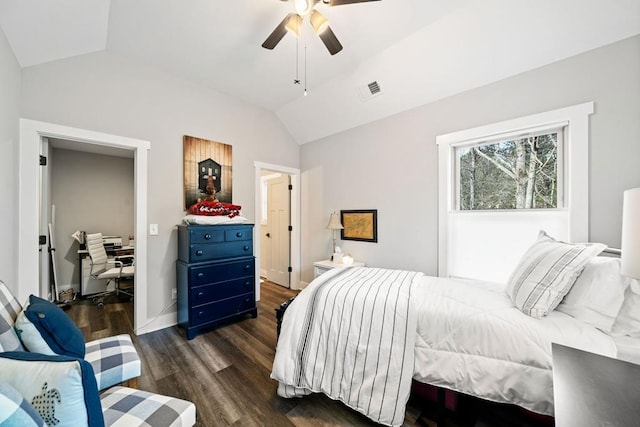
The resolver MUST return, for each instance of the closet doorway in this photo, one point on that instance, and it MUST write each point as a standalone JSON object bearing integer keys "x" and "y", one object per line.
{"x": 275, "y": 227}
{"x": 286, "y": 223}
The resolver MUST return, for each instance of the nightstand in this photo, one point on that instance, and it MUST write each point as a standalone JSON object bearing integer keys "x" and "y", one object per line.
{"x": 320, "y": 267}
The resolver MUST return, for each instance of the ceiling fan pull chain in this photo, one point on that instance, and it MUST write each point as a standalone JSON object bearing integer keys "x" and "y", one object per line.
{"x": 296, "y": 81}
{"x": 305, "y": 70}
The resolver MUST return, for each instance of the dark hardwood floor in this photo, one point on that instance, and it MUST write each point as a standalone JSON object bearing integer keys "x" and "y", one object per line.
{"x": 225, "y": 371}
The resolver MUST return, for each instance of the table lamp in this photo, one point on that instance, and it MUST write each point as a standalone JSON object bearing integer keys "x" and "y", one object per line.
{"x": 334, "y": 225}
{"x": 631, "y": 234}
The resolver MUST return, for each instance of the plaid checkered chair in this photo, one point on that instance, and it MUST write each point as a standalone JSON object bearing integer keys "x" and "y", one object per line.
{"x": 114, "y": 359}
{"x": 39, "y": 390}
{"x": 51, "y": 389}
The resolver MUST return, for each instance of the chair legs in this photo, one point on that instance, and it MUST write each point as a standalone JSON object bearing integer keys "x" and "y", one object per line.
{"x": 99, "y": 298}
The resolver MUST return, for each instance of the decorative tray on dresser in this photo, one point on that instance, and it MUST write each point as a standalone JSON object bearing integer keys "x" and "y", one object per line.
{"x": 216, "y": 275}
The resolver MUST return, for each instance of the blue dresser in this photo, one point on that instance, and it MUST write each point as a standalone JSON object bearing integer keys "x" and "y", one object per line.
{"x": 216, "y": 275}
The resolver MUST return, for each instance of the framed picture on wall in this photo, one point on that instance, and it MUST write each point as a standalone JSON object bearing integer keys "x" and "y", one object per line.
{"x": 207, "y": 171}
{"x": 360, "y": 225}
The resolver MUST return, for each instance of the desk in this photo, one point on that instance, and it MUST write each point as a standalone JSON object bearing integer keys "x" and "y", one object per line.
{"x": 89, "y": 285}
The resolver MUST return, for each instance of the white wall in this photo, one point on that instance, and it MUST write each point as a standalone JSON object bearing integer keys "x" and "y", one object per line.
{"x": 9, "y": 140}
{"x": 391, "y": 165}
{"x": 111, "y": 94}
{"x": 91, "y": 192}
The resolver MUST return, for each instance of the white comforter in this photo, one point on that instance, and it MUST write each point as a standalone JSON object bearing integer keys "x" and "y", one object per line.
{"x": 351, "y": 335}
{"x": 472, "y": 339}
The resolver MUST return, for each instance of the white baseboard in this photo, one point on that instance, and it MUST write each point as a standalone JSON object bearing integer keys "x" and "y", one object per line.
{"x": 159, "y": 322}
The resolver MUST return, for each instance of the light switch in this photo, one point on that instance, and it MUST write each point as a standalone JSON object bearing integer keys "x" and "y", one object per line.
{"x": 153, "y": 229}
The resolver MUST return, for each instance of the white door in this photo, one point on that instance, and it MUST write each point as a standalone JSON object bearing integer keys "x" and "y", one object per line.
{"x": 277, "y": 236}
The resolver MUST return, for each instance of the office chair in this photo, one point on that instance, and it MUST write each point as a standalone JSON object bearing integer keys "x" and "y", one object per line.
{"x": 104, "y": 268}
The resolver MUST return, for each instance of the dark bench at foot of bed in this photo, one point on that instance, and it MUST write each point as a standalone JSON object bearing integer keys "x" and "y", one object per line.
{"x": 280, "y": 314}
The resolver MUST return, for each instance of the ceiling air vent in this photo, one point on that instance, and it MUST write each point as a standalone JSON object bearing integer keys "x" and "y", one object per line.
{"x": 370, "y": 90}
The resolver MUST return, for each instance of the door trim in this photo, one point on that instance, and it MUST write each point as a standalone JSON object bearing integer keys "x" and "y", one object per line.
{"x": 295, "y": 220}
{"x": 31, "y": 134}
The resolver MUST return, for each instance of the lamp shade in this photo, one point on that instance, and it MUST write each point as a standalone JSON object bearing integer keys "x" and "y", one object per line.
{"x": 294, "y": 23}
{"x": 334, "y": 222}
{"x": 319, "y": 22}
{"x": 631, "y": 234}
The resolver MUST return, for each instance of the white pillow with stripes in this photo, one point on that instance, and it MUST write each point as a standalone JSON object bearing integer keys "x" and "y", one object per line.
{"x": 546, "y": 273}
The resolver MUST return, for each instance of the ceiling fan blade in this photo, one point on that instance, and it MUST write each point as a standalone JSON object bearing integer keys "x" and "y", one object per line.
{"x": 341, "y": 2}
{"x": 330, "y": 41}
{"x": 277, "y": 34}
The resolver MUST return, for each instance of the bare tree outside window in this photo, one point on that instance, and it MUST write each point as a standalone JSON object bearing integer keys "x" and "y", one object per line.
{"x": 520, "y": 173}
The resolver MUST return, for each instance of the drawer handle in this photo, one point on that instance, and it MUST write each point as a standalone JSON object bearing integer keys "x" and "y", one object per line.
{"x": 207, "y": 236}
{"x": 201, "y": 313}
{"x": 239, "y": 234}
{"x": 199, "y": 252}
{"x": 200, "y": 294}
{"x": 247, "y": 267}
{"x": 200, "y": 275}
{"x": 246, "y": 248}
{"x": 247, "y": 284}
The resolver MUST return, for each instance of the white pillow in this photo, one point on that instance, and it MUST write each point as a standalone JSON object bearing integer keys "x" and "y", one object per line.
{"x": 597, "y": 294}
{"x": 628, "y": 319}
{"x": 546, "y": 272}
{"x": 61, "y": 389}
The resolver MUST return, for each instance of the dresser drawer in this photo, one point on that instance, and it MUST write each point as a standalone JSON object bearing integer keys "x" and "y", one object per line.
{"x": 216, "y": 234}
{"x": 221, "y": 309}
{"x": 233, "y": 235}
{"x": 220, "y": 272}
{"x": 223, "y": 290}
{"x": 206, "y": 235}
{"x": 208, "y": 252}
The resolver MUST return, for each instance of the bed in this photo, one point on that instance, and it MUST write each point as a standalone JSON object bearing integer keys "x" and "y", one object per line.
{"x": 360, "y": 335}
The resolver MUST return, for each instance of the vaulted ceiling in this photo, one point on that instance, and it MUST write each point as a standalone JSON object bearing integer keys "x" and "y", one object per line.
{"x": 418, "y": 51}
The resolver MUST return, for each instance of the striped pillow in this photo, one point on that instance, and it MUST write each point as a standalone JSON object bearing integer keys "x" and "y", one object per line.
{"x": 546, "y": 273}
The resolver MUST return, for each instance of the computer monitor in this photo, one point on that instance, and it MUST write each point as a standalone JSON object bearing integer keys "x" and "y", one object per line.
{"x": 594, "y": 390}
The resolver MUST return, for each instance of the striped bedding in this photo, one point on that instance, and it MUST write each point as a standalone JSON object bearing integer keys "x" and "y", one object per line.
{"x": 355, "y": 343}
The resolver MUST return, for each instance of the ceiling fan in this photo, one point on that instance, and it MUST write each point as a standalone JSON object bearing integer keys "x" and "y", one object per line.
{"x": 293, "y": 22}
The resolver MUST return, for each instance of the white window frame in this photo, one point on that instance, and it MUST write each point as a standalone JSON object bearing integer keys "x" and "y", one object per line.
{"x": 574, "y": 213}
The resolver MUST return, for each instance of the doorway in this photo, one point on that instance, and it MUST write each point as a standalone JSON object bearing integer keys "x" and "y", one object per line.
{"x": 89, "y": 193}
{"x": 293, "y": 176}
{"x": 275, "y": 224}
{"x": 32, "y": 134}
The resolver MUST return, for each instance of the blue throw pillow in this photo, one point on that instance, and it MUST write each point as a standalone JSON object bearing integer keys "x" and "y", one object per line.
{"x": 61, "y": 389}
{"x": 44, "y": 328}
{"x": 15, "y": 410}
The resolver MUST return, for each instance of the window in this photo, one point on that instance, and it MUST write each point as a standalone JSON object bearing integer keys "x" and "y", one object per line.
{"x": 520, "y": 172}
{"x": 500, "y": 184}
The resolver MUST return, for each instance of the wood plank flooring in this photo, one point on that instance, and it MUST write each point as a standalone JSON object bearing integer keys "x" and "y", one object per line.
{"x": 225, "y": 371}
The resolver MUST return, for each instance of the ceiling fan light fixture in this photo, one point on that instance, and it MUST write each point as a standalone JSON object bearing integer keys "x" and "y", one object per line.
{"x": 303, "y": 7}
{"x": 319, "y": 22}
{"x": 294, "y": 23}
